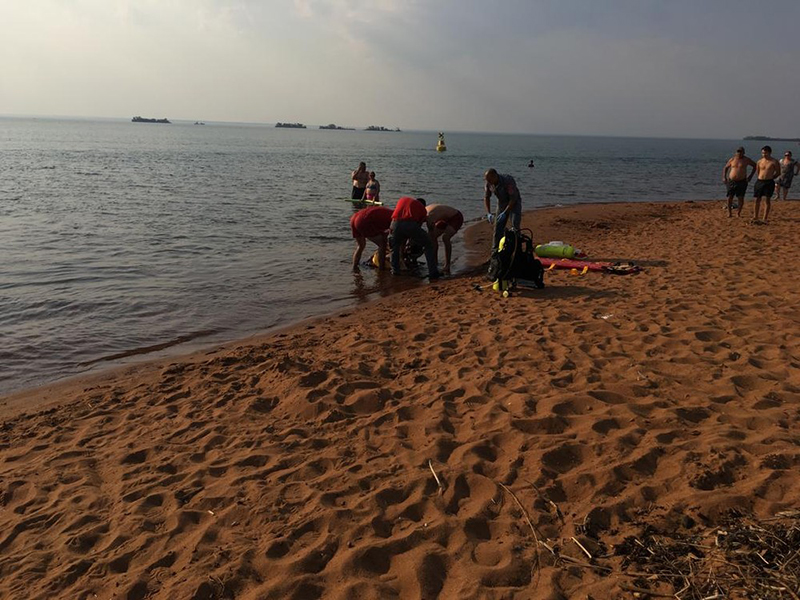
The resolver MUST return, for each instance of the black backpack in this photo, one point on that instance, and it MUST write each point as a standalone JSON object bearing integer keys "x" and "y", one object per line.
{"x": 515, "y": 259}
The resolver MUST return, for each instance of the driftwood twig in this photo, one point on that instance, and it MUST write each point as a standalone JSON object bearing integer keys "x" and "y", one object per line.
{"x": 436, "y": 477}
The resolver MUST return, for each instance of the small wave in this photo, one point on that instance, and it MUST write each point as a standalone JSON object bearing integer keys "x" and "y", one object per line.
{"x": 154, "y": 348}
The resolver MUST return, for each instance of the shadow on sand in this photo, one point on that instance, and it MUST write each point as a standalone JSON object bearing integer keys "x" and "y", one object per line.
{"x": 552, "y": 292}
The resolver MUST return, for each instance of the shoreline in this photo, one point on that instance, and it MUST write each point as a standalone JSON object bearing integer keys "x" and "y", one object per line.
{"x": 380, "y": 452}
{"x": 108, "y": 368}
{"x": 476, "y": 235}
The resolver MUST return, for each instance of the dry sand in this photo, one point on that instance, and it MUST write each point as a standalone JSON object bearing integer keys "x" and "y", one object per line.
{"x": 300, "y": 465}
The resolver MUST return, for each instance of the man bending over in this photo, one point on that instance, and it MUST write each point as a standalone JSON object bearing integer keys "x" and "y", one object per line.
{"x": 407, "y": 220}
{"x": 509, "y": 203}
{"x": 371, "y": 224}
{"x": 446, "y": 222}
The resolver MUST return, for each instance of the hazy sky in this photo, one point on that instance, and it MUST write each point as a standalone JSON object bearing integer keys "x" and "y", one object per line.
{"x": 694, "y": 68}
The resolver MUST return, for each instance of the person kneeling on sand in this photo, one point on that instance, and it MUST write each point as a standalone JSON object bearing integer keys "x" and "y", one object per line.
{"x": 735, "y": 178}
{"x": 446, "y": 222}
{"x": 371, "y": 223}
{"x": 407, "y": 220}
{"x": 768, "y": 169}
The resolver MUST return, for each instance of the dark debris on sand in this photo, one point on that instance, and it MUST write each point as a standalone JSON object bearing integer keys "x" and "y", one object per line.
{"x": 743, "y": 558}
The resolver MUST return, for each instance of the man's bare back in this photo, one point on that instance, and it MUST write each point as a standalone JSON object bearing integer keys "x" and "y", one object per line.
{"x": 439, "y": 212}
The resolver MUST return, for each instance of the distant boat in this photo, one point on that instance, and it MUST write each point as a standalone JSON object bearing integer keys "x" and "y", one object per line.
{"x": 440, "y": 145}
{"x": 198, "y": 123}
{"x": 379, "y": 128}
{"x": 334, "y": 126}
{"x": 143, "y": 120}
{"x": 290, "y": 125}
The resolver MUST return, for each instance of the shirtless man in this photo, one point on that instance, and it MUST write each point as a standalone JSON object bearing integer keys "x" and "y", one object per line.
{"x": 767, "y": 169}
{"x": 447, "y": 221}
{"x": 360, "y": 178}
{"x": 735, "y": 178}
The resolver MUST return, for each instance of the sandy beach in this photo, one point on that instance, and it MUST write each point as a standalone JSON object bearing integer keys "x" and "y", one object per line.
{"x": 443, "y": 442}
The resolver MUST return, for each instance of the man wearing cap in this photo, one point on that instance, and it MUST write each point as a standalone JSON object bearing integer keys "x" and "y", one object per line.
{"x": 371, "y": 223}
{"x": 735, "y": 178}
{"x": 407, "y": 220}
{"x": 509, "y": 203}
{"x": 446, "y": 222}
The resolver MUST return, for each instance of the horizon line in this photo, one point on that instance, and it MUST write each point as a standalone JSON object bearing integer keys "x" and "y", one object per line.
{"x": 314, "y": 126}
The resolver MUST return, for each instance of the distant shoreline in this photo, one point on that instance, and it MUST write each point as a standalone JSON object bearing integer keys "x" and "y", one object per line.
{"x": 764, "y": 138}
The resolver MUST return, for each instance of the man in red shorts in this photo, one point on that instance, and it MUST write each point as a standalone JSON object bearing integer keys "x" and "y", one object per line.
{"x": 446, "y": 222}
{"x": 371, "y": 223}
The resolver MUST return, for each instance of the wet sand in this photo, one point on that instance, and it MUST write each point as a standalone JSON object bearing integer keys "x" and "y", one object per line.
{"x": 305, "y": 464}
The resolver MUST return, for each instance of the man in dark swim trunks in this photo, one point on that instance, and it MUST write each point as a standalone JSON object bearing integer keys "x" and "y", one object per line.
{"x": 360, "y": 178}
{"x": 735, "y": 178}
{"x": 768, "y": 169}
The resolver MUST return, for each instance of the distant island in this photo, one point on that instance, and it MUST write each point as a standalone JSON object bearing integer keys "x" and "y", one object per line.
{"x": 143, "y": 120}
{"x": 380, "y": 128}
{"x": 291, "y": 125}
{"x": 334, "y": 126}
{"x": 766, "y": 138}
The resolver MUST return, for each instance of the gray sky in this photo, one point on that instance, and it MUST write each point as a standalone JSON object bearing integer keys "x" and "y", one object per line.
{"x": 693, "y": 68}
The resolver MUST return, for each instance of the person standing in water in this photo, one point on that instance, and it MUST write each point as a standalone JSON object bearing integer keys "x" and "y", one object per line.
{"x": 789, "y": 168}
{"x": 360, "y": 178}
{"x": 372, "y": 191}
{"x": 735, "y": 178}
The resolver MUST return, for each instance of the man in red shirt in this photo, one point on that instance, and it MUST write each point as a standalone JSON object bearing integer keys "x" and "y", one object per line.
{"x": 407, "y": 220}
{"x": 371, "y": 224}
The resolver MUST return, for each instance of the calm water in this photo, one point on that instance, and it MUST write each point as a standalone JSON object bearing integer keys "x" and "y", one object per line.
{"x": 120, "y": 239}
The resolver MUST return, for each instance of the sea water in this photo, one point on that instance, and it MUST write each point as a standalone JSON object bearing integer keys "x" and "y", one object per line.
{"x": 121, "y": 241}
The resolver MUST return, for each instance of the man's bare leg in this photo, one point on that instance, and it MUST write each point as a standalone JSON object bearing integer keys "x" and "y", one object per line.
{"x": 757, "y": 209}
{"x": 730, "y": 206}
{"x": 741, "y": 206}
{"x": 767, "y": 206}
